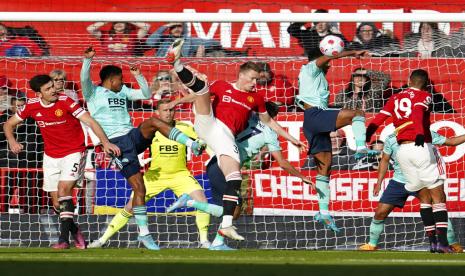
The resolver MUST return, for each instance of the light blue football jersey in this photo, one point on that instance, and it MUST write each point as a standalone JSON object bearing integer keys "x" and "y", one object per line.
{"x": 108, "y": 108}
{"x": 313, "y": 86}
{"x": 254, "y": 137}
{"x": 391, "y": 147}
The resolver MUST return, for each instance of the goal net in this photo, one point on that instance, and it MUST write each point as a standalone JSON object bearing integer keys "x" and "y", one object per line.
{"x": 278, "y": 209}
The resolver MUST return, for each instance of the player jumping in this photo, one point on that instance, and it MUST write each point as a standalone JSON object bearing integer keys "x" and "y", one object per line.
{"x": 107, "y": 103}
{"x": 219, "y": 122}
{"x": 319, "y": 121}
{"x": 168, "y": 170}
{"x": 250, "y": 141}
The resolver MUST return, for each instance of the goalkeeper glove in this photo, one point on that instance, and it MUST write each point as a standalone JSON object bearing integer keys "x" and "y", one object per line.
{"x": 420, "y": 140}
{"x": 198, "y": 146}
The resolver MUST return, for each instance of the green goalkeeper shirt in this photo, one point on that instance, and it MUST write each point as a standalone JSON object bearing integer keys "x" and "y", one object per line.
{"x": 109, "y": 108}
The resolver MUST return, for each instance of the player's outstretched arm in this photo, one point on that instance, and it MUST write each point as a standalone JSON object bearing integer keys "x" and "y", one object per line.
{"x": 97, "y": 129}
{"x": 144, "y": 92}
{"x": 8, "y": 128}
{"x": 285, "y": 165}
{"x": 267, "y": 120}
{"x": 323, "y": 60}
{"x": 186, "y": 99}
{"x": 86, "y": 83}
{"x": 382, "y": 169}
{"x": 455, "y": 141}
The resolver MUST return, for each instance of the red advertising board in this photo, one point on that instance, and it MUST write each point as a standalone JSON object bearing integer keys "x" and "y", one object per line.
{"x": 277, "y": 193}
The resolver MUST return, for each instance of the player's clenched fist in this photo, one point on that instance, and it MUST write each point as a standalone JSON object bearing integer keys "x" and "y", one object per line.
{"x": 89, "y": 52}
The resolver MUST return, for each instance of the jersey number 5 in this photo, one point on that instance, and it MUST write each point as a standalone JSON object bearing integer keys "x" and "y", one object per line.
{"x": 403, "y": 108}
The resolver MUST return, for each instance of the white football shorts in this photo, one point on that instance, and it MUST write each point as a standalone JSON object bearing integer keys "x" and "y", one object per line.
{"x": 423, "y": 167}
{"x": 68, "y": 168}
{"x": 217, "y": 136}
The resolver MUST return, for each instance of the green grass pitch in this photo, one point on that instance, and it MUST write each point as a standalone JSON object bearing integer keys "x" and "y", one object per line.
{"x": 167, "y": 262}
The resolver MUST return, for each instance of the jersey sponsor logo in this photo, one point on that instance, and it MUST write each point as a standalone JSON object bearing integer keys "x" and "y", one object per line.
{"x": 73, "y": 104}
{"x": 45, "y": 124}
{"x": 58, "y": 113}
{"x": 116, "y": 103}
{"x": 228, "y": 99}
{"x": 168, "y": 149}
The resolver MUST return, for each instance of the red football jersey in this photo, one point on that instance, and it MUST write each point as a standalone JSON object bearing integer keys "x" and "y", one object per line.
{"x": 410, "y": 110}
{"x": 233, "y": 107}
{"x": 58, "y": 123}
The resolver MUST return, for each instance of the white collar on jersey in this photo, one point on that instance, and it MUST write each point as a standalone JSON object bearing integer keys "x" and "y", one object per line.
{"x": 45, "y": 105}
{"x": 235, "y": 87}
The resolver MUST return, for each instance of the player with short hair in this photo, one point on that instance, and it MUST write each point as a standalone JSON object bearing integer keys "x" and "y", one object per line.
{"x": 107, "y": 103}
{"x": 64, "y": 155}
{"x": 319, "y": 121}
{"x": 395, "y": 194}
{"x": 250, "y": 141}
{"x": 168, "y": 170}
{"x": 419, "y": 162}
{"x": 218, "y": 123}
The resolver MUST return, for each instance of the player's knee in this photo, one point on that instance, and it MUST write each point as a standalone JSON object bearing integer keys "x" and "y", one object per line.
{"x": 381, "y": 214}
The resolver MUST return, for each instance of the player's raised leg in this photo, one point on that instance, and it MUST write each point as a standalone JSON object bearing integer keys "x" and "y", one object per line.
{"x": 198, "y": 202}
{"x": 356, "y": 118}
{"x": 199, "y": 86}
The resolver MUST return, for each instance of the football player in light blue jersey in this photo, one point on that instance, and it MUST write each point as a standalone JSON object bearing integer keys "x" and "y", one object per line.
{"x": 107, "y": 103}
{"x": 395, "y": 194}
{"x": 250, "y": 141}
{"x": 319, "y": 121}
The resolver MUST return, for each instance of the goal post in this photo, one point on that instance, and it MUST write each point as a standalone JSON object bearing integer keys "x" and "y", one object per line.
{"x": 278, "y": 210}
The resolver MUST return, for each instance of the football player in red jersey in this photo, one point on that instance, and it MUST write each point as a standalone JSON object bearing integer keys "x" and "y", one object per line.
{"x": 410, "y": 110}
{"x": 219, "y": 122}
{"x": 58, "y": 119}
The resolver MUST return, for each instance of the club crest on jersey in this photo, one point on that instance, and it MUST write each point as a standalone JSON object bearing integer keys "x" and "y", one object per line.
{"x": 58, "y": 112}
{"x": 250, "y": 99}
